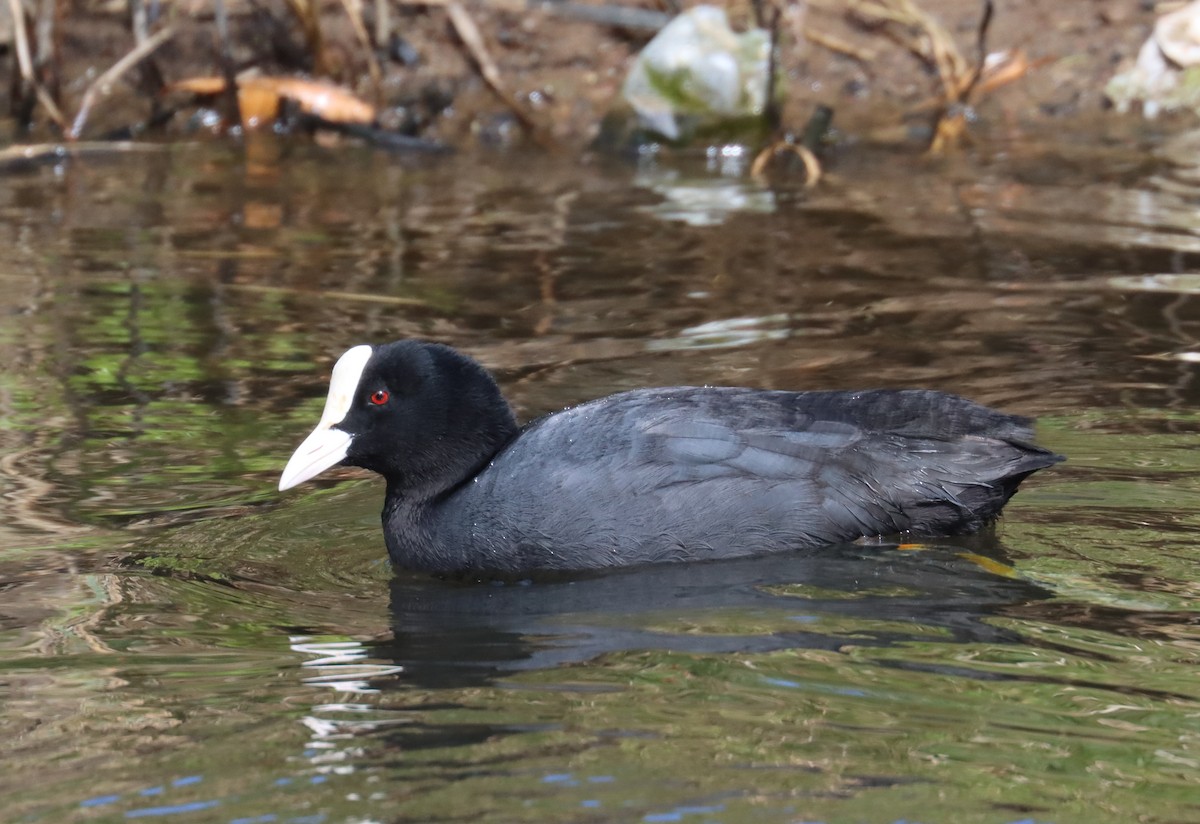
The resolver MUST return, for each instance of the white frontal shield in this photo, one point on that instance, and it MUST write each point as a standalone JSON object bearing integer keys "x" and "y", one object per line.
{"x": 327, "y": 446}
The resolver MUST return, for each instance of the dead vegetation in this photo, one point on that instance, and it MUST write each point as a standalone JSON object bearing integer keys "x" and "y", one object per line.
{"x": 346, "y": 65}
{"x": 963, "y": 80}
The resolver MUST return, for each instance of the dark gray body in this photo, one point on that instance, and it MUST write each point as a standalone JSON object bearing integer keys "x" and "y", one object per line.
{"x": 692, "y": 474}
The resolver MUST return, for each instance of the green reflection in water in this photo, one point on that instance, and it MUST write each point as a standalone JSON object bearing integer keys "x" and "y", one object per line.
{"x": 168, "y": 615}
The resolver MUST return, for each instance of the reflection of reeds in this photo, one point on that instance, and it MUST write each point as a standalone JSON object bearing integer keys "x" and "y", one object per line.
{"x": 28, "y": 493}
{"x": 108, "y": 592}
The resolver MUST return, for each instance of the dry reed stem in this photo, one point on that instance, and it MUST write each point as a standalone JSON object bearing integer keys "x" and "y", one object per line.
{"x": 908, "y": 24}
{"x": 101, "y": 83}
{"x": 25, "y": 64}
{"x": 835, "y": 44}
{"x": 307, "y": 13}
{"x": 923, "y": 36}
{"x": 383, "y": 22}
{"x": 472, "y": 38}
{"x": 354, "y": 12}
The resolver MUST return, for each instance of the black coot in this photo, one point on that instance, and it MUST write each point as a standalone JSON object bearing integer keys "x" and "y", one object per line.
{"x": 652, "y": 475}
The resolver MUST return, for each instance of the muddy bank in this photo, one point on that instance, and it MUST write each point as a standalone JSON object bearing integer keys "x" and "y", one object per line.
{"x": 559, "y": 65}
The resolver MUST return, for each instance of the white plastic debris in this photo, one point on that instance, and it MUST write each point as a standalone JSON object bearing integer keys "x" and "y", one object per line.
{"x": 697, "y": 73}
{"x": 1166, "y": 76}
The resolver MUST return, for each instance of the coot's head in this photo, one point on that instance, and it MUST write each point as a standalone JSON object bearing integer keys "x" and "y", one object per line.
{"x": 421, "y": 414}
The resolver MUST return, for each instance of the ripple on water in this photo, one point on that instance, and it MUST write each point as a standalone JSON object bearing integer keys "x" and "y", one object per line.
{"x": 199, "y": 647}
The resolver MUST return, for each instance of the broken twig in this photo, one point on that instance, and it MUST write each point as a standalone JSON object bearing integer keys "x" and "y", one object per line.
{"x": 905, "y": 22}
{"x": 952, "y": 121}
{"x": 812, "y": 166}
{"x": 22, "y": 158}
{"x": 101, "y": 83}
{"x": 835, "y": 44}
{"x": 469, "y": 33}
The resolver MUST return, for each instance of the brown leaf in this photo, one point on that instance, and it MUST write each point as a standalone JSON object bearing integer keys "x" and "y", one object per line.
{"x": 259, "y": 98}
{"x": 329, "y": 102}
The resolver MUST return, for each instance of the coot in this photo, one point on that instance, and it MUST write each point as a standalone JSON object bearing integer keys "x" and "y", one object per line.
{"x": 651, "y": 475}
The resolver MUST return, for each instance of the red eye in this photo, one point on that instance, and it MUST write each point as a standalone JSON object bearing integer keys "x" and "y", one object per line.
{"x": 379, "y": 397}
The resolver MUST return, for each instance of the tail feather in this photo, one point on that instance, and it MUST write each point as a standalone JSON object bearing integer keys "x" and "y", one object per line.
{"x": 962, "y": 504}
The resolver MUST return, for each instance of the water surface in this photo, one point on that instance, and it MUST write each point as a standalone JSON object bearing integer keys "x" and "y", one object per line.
{"x": 181, "y": 642}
